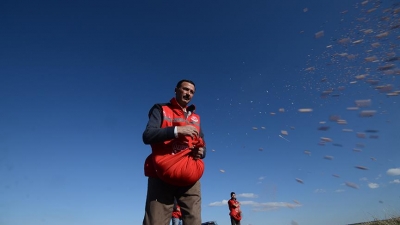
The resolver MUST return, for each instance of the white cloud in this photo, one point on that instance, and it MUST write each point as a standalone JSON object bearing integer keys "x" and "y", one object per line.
{"x": 339, "y": 190}
{"x": 373, "y": 185}
{"x": 259, "y": 207}
{"x": 247, "y": 195}
{"x": 261, "y": 178}
{"x": 396, "y": 181}
{"x": 248, "y": 203}
{"x": 319, "y": 191}
{"x": 363, "y": 179}
{"x": 221, "y": 203}
{"x": 393, "y": 172}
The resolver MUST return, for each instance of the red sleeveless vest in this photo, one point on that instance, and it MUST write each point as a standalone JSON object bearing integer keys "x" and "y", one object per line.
{"x": 171, "y": 160}
{"x": 234, "y": 212}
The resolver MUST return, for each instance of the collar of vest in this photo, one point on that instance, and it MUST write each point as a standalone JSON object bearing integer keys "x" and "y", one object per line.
{"x": 175, "y": 103}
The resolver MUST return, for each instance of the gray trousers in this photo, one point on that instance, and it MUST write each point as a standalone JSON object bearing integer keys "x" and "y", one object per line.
{"x": 160, "y": 203}
{"x": 234, "y": 222}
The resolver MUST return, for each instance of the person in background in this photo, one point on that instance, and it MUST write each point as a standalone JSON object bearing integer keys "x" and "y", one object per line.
{"x": 175, "y": 165}
{"x": 234, "y": 210}
{"x": 177, "y": 215}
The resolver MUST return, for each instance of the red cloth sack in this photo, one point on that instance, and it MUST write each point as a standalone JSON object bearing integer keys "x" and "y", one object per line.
{"x": 237, "y": 216}
{"x": 179, "y": 169}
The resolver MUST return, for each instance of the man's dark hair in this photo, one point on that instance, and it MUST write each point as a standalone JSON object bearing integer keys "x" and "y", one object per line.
{"x": 181, "y": 81}
{"x": 232, "y": 193}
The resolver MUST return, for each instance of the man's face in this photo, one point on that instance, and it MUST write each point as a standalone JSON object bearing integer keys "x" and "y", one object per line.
{"x": 233, "y": 196}
{"x": 184, "y": 93}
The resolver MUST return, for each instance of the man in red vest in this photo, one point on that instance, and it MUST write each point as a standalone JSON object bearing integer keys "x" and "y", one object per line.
{"x": 176, "y": 215}
{"x": 234, "y": 210}
{"x": 175, "y": 165}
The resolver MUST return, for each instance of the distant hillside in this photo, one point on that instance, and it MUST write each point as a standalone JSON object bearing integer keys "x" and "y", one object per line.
{"x": 392, "y": 221}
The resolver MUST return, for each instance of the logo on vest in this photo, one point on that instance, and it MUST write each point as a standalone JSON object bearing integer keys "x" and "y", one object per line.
{"x": 179, "y": 146}
{"x": 194, "y": 119}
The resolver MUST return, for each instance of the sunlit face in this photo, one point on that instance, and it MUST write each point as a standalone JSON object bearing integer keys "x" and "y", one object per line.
{"x": 184, "y": 93}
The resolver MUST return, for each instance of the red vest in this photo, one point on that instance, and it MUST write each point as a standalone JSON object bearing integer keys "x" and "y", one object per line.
{"x": 235, "y": 212}
{"x": 171, "y": 160}
{"x": 176, "y": 213}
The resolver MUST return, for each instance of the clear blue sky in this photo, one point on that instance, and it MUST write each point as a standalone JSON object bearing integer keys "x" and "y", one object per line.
{"x": 77, "y": 79}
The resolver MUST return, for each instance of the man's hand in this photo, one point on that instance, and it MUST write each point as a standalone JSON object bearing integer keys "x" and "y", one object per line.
{"x": 197, "y": 152}
{"x": 187, "y": 130}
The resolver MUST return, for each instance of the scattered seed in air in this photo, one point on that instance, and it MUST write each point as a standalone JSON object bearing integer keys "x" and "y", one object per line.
{"x": 305, "y": 110}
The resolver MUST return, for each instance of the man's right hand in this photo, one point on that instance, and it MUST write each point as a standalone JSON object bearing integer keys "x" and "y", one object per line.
{"x": 187, "y": 130}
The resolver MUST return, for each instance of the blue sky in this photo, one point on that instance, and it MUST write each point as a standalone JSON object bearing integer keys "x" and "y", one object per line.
{"x": 78, "y": 79}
